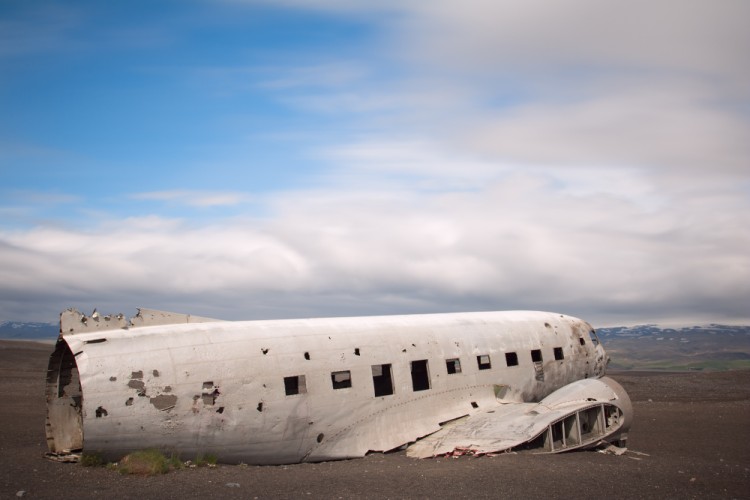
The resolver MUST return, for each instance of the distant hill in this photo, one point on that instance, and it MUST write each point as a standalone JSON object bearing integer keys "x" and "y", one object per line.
{"x": 29, "y": 331}
{"x": 651, "y": 347}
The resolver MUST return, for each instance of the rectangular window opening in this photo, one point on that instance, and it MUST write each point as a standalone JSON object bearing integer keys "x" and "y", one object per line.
{"x": 342, "y": 379}
{"x": 382, "y": 380}
{"x": 295, "y": 385}
{"x": 420, "y": 375}
{"x": 536, "y": 355}
{"x": 453, "y": 366}
{"x": 559, "y": 353}
{"x": 483, "y": 362}
{"x": 511, "y": 359}
{"x": 580, "y": 339}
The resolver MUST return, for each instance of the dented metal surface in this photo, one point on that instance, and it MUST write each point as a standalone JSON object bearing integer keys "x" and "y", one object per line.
{"x": 273, "y": 392}
{"x": 72, "y": 321}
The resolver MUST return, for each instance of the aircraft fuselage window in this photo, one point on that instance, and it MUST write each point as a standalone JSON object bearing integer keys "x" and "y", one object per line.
{"x": 511, "y": 359}
{"x": 453, "y": 365}
{"x": 536, "y": 355}
{"x": 341, "y": 380}
{"x": 559, "y": 353}
{"x": 483, "y": 362}
{"x": 382, "y": 380}
{"x": 420, "y": 375}
{"x": 580, "y": 339}
{"x": 295, "y": 385}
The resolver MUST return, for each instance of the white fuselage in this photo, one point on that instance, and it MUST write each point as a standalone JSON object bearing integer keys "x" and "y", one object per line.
{"x": 272, "y": 392}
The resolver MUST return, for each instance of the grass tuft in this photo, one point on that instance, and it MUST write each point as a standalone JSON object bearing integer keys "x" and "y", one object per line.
{"x": 207, "y": 459}
{"x": 91, "y": 460}
{"x": 148, "y": 463}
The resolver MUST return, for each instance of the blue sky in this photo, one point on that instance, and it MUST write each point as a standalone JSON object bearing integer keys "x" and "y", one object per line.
{"x": 250, "y": 159}
{"x": 129, "y": 91}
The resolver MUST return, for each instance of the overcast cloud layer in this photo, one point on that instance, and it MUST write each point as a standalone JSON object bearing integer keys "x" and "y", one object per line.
{"x": 586, "y": 157}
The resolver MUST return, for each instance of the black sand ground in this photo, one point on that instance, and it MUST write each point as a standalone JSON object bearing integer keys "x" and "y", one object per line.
{"x": 691, "y": 439}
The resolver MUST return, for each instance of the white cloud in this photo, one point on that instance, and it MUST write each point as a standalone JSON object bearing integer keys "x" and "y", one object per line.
{"x": 195, "y": 198}
{"x": 421, "y": 162}
{"x": 332, "y": 74}
{"x": 695, "y": 36}
{"x": 660, "y": 86}
{"x": 662, "y": 129}
{"x": 701, "y": 36}
{"x": 515, "y": 241}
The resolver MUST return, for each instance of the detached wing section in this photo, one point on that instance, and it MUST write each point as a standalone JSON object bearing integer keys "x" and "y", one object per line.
{"x": 579, "y": 415}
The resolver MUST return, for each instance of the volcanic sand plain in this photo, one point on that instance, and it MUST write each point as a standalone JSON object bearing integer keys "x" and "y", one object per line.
{"x": 690, "y": 439}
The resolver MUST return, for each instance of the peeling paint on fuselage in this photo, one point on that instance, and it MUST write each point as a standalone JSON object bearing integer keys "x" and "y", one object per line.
{"x": 218, "y": 387}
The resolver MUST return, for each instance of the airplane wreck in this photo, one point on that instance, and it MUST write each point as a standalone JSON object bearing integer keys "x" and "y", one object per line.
{"x": 288, "y": 391}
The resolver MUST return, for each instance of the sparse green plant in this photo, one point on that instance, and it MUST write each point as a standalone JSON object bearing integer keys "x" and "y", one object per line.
{"x": 206, "y": 459}
{"x": 174, "y": 461}
{"x": 91, "y": 460}
{"x": 148, "y": 463}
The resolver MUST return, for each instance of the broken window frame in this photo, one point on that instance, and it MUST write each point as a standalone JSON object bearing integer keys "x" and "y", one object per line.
{"x": 536, "y": 356}
{"x": 295, "y": 384}
{"x": 209, "y": 393}
{"x": 344, "y": 379}
{"x": 484, "y": 362}
{"x": 383, "y": 382}
{"x": 559, "y": 355}
{"x": 453, "y": 366}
